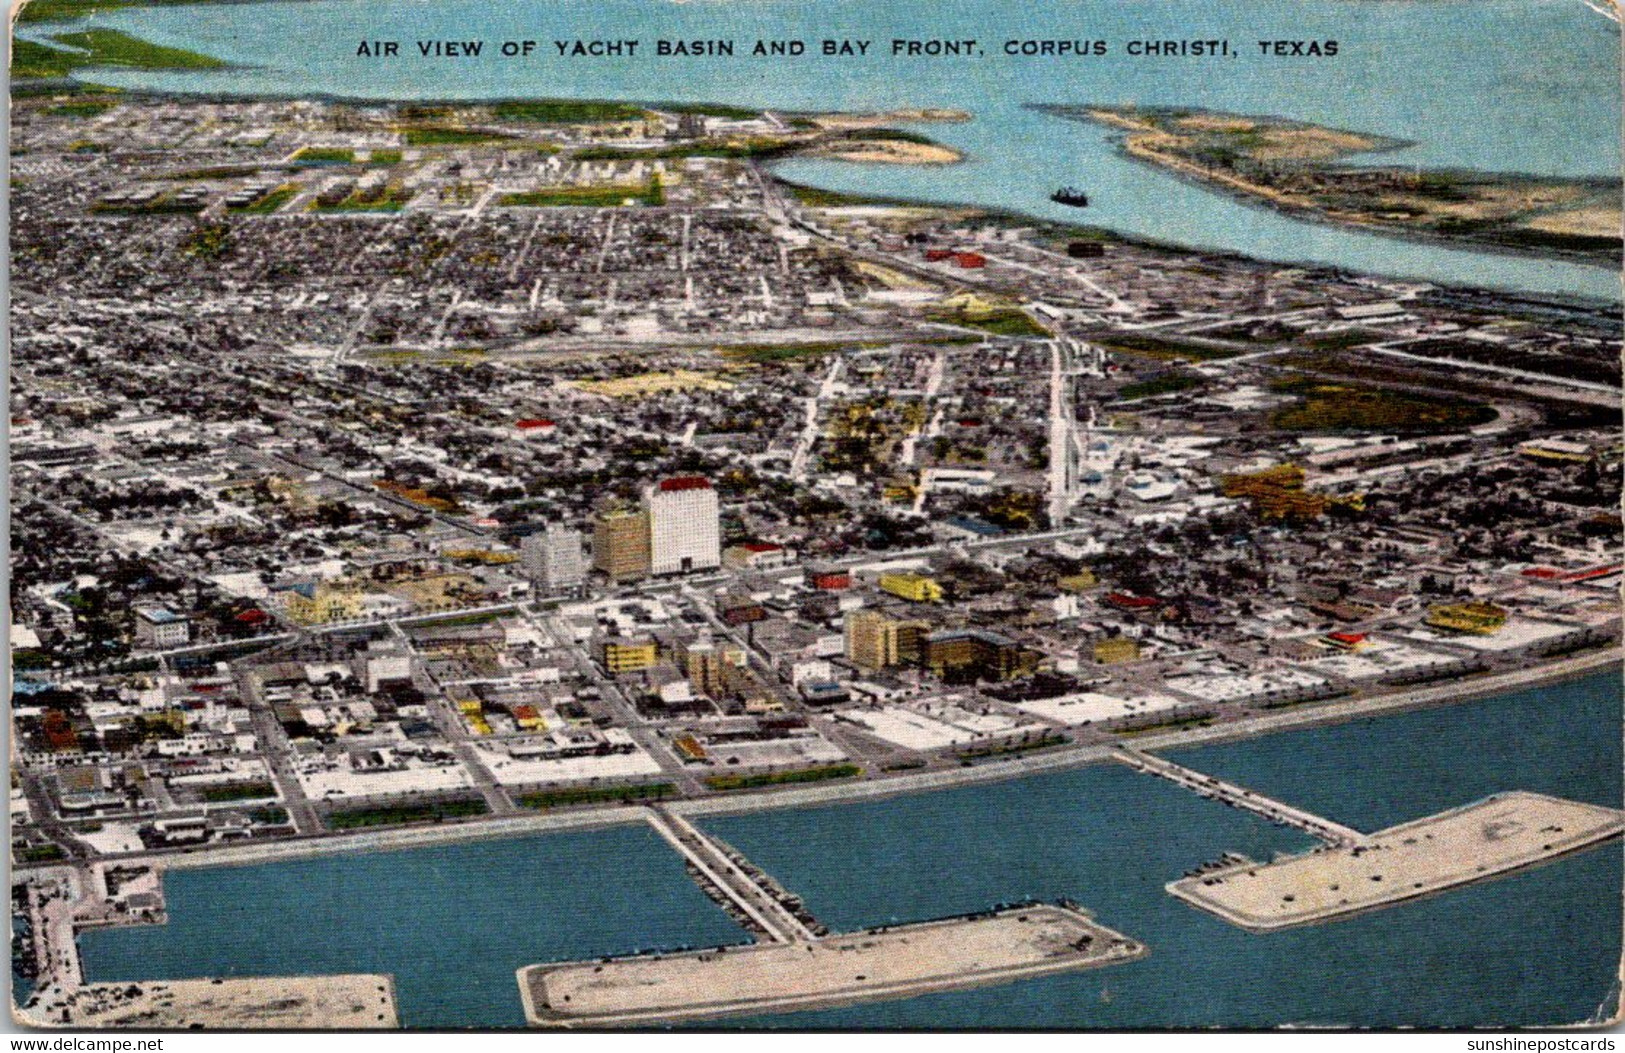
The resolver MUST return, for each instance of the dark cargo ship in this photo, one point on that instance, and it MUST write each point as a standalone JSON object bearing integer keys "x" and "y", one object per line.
{"x": 1070, "y": 195}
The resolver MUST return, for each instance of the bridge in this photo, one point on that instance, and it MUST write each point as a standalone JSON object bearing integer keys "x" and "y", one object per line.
{"x": 713, "y": 863}
{"x": 1240, "y": 797}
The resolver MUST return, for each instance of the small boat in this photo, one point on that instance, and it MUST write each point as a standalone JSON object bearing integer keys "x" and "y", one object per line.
{"x": 1070, "y": 195}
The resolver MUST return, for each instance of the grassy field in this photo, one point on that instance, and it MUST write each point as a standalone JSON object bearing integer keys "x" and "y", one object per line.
{"x": 783, "y": 778}
{"x": 1010, "y": 322}
{"x": 1168, "y": 348}
{"x": 597, "y": 795}
{"x": 101, "y": 47}
{"x": 269, "y": 203}
{"x": 448, "y": 135}
{"x": 241, "y": 791}
{"x": 427, "y": 812}
{"x": 567, "y": 111}
{"x": 324, "y": 155}
{"x": 736, "y": 148}
{"x": 1348, "y": 407}
{"x": 1165, "y": 384}
{"x": 652, "y": 193}
{"x": 391, "y": 200}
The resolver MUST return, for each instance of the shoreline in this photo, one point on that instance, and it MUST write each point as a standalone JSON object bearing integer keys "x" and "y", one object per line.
{"x": 1239, "y": 190}
{"x": 1066, "y": 758}
{"x": 1610, "y": 300}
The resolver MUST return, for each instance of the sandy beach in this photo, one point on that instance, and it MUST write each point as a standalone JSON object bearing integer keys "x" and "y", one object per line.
{"x": 341, "y": 1002}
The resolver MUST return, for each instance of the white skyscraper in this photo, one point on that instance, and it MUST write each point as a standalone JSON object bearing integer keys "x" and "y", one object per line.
{"x": 554, "y": 559}
{"x": 684, "y": 530}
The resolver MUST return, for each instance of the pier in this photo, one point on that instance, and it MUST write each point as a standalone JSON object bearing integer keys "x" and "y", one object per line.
{"x": 796, "y": 963}
{"x": 1487, "y": 839}
{"x": 727, "y": 876}
{"x": 1235, "y": 796}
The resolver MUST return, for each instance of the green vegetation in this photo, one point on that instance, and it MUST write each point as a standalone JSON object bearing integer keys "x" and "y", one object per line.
{"x": 782, "y": 778}
{"x": 1168, "y": 348}
{"x": 760, "y": 146}
{"x": 29, "y": 658}
{"x": 1002, "y": 322}
{"x": 241, "y": 791}
{"x": 210, "y": 241}
{"x": 100, "y": 47}
{"x": 163, "y": 204}
{"x": 1012, "y": 749}
{"x": 460, "y": 621}
{"x": 324, "y": 155}
{"x": 41, "y": 854}
{"x": 270, "y": 202}
{"x": 1201, "y": 720}
{"x": 1345, "y": 407}
{"x": 378, "y": 199}
{"x": 450, "y": 135}
{"x": 427, "y": 812}
{"x": 598, "y": 794}
{"x": 88, "y": 108}
{"x": 567, "y": 111}
{"x": 652, "y": 193}
{"x": 1342, "y": 339}
{"x": 1162, "y": 384}
{"x": 270, "y": 815}
{"x": 764, "y": 354}
{"x": 187, "y": 175}
{"x": 894, "y": 135}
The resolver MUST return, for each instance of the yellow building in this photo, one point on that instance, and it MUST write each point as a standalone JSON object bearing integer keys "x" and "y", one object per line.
{"x": 1116, "y": 649}
{"x": 620, "y": 545}
{"x": 324, "y": 603}
{"x": 707, "y": 665}
{"x": 983, "y": 655}
{"x": 874, "y": 641}
{"x": 628, "y": 656}
{"x": 1475, "y": 617}
{"x": 1082, "y": 581}
{"x": 916, "y": 588}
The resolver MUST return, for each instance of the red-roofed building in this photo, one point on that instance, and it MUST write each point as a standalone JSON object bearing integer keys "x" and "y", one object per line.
{"x": 756, "y": 555}
{"x": 937, "y": 255}
{"x": 684, "y": 482}
{"x": 1125, "y": 602}
{"x": 535, "y": 427}
{"x": 1346, "y": 641}
{"x": 970, "y": 261}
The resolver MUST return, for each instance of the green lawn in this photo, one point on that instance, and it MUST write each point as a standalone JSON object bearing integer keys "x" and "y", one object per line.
{"x": 597, "y": 795}
{"x": 1349, "y": 407}
{"x": 241, "y": 791}
{"x": 447, "y": 135}
{"x": 1166, "y": 384}
{"x": 782, "y": 778}
{"x": 428, "y": 811}
{"x": 567, "y": 111}
{"x": 324, "y": 155}
{"x": 999, "y": 323}
{"x": 651, "y": 193}
{"x": 270, "y": 202}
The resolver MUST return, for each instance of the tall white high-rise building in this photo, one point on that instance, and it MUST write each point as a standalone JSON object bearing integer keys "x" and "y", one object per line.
{"x": 554, "y": 559}
{"x": 685, "y": 532}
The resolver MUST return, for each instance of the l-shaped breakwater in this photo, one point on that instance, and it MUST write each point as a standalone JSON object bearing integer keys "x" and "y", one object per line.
{"x": 795, "y": 964}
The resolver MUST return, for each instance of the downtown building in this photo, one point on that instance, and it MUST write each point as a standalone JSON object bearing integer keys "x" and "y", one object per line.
{"x": 685, "y": 529}
{"x": 554, "y": 560}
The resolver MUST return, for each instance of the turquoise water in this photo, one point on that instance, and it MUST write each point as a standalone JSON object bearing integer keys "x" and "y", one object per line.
{"x": 452, "y": 923}
{"x": 1508, "y": 85}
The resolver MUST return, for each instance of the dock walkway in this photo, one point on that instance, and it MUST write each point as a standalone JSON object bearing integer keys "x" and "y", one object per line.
{"x": 1240, "y": 797}
{"x": 773, "y": 918}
